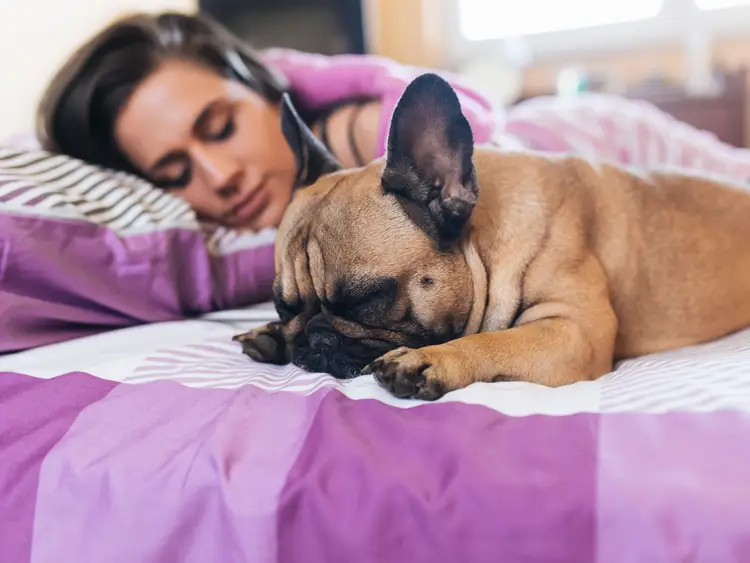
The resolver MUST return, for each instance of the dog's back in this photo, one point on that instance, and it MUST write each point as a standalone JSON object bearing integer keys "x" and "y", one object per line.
{"x": 674, "y": 245}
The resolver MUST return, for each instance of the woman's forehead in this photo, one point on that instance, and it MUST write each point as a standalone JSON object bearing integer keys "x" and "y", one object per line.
{"x": 160, "y": 113}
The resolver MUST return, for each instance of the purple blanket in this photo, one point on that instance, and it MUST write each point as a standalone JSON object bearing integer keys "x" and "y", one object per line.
{"x": 97, "y": 471}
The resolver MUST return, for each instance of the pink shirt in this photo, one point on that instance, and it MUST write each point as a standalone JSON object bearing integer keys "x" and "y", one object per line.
{"x": 320, "y": 81}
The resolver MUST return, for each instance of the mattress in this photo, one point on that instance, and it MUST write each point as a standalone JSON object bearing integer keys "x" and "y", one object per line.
{"x": 164, "y": 443}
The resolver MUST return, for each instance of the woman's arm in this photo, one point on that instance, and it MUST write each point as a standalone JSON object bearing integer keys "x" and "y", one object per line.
{"x": 351, "y": 133}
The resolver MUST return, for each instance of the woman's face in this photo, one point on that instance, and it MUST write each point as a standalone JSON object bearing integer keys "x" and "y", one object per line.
{"x": 212, "y": 141}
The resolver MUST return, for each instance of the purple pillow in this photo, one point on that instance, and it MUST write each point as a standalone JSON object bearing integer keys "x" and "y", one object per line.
{"x": 84, "y": 249}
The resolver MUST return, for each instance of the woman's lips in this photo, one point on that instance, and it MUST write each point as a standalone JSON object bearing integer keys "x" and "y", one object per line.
{"x": 253, "y": 204}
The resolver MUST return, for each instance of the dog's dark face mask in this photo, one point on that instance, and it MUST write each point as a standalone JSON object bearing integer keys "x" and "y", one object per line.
{"x": 371, "y": 259}
{"x": 322, "y": 349}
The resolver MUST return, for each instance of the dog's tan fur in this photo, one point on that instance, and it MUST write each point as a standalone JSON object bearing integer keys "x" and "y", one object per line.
{"x": 565, "y": 267}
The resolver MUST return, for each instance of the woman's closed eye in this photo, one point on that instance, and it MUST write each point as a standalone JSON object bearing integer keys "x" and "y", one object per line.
{"x": 216, "y": 123}
{"x": 174, "y": 172}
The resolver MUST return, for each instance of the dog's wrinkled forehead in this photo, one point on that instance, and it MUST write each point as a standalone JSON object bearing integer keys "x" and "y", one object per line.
{"x": 344, "y": 226}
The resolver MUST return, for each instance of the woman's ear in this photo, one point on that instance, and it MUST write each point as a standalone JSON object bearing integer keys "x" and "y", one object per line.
{"x": 312, "y": 157}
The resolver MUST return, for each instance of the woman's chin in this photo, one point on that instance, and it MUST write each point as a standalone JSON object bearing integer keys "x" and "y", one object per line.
{"x": 266, "y": 220}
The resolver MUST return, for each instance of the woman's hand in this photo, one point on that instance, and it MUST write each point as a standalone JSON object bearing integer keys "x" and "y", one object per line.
{"x": 355, "y": 123}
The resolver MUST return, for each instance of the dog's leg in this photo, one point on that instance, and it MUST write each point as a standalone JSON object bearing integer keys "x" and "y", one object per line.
{"x": 565, "y": 334}
{"x": 266, "y": 344}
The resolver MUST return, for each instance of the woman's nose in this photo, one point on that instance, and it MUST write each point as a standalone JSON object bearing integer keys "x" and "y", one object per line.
{"x": 218, "y": 169}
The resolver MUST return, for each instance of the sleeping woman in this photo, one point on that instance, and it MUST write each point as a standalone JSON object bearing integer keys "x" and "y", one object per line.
{"x": 181, "y": 102}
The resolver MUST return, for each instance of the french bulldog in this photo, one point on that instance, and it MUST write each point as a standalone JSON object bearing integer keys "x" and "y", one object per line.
{"x": 444, "y": 264}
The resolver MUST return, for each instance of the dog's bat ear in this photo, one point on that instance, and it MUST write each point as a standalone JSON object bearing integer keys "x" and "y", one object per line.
{"x": 429, "y": 164}
{"x": 312, "y": 157}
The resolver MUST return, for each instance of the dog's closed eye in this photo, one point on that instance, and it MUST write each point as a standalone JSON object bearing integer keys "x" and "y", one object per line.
{"x": 286, "y": 310}
{"x": 362, "y": 298}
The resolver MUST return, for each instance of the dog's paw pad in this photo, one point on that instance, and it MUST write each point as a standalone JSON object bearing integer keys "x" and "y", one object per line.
{"x": 405, "y": 374}
{"x": 262, "y": 345}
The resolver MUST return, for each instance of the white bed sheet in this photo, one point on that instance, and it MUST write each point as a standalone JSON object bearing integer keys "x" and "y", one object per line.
{"x": 200, "y": 353}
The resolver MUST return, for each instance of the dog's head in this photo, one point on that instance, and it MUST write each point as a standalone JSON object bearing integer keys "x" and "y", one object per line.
{"x": 371, "y": 259}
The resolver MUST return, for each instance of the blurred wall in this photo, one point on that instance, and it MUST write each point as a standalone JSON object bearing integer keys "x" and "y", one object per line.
{"x": 670, "y": 44}
{"x": 409, "y": 31}
{"x": 38, "y": 35}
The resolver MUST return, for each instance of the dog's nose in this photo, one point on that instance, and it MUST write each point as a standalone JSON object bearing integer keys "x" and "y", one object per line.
{"x": 324, "y": 350}
{"x": 320, "y": 334}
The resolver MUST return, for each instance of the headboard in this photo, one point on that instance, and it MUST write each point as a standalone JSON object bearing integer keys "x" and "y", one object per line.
{"x": 724, "y": 114}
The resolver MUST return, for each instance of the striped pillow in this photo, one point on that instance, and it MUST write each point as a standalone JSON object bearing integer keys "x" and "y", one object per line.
{"x": 84, "y": 249}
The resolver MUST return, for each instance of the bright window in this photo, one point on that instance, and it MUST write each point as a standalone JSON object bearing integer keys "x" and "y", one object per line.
{"x": 496, "y": 19}
{"x": 719, "y": 4}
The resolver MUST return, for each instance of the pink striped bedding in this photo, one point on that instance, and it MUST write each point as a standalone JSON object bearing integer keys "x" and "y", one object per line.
{"x": 84, "y": 250}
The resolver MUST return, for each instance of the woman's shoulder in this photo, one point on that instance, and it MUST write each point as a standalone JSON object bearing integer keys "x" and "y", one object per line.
{"x": 365, "y": 70}
{"x": 283, "y": 58}
{"x": 320, "y": 80}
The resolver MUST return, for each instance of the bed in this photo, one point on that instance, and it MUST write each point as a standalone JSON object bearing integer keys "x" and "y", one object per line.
{"x": 162, "y": 442}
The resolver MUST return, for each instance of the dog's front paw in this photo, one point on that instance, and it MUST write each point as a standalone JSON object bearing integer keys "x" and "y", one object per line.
{"x": 408, "y": 373}
{"x": 264, "y": 344}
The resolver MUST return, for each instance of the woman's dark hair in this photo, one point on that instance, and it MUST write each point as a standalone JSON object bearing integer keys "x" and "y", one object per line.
{"x": 78, "y": 111}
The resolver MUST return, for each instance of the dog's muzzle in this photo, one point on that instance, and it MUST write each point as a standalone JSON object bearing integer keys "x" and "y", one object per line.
{"x": 322, "y": 349}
